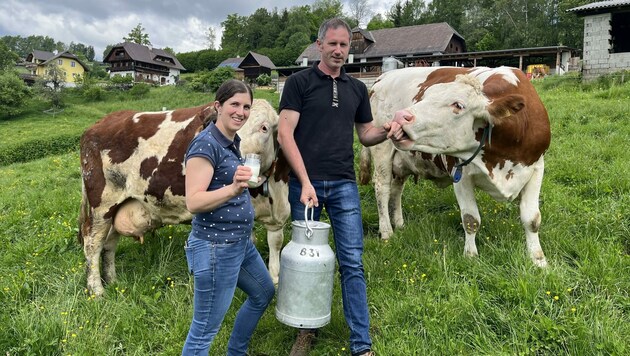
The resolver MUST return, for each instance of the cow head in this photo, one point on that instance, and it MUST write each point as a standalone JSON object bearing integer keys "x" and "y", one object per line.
{"x": 448, "y": 117}
{"x": 258, "y": 135}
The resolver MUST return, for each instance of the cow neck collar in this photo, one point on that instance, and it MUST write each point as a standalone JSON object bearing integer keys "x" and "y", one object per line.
{"x": 456, "y": 172}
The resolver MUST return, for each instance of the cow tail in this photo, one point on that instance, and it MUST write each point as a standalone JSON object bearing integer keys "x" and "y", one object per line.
{"x": 365, "y": 166}
{"x": 83, "y": 212}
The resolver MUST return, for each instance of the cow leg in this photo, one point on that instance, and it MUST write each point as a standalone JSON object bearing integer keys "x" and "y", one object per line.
{"x": 92, "y": 248}
{"x": 109, "y": 256}
{"x": 471, "y": 220}
{"x": 383, "y": 157}
{"x": 397, "y": 186}
{"x": 530, "y": 218}
{"x": 275, "y": 238}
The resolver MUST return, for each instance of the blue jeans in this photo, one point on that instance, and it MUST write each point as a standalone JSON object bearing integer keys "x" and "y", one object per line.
{"x": 342, "y": 203}
{"x": 218, "y": 268}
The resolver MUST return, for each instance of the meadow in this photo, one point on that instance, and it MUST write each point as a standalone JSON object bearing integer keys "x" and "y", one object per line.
{"x": 425, "y": 298}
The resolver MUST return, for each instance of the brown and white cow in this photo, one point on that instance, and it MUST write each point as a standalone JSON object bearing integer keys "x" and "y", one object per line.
{"x": 133, "y": 180}
{"x": 487, "y": 123}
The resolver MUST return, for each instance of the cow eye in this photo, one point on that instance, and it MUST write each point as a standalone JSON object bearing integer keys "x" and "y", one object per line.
{"x": 459, "y": 106}
{"x": 264, "y": 128}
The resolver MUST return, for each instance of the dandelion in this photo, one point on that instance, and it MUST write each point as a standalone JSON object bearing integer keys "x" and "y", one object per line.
{"x": 424, "y": 275}
{"x": 573, "y": 310}
{"x": 555, "y": 297}
{"x": 569, "y": 290}
{"x": 74, "y": 335}
{"x": 404, "y": 265}
{"x": 64, "y": 341}
{"x": 548, "y": 293}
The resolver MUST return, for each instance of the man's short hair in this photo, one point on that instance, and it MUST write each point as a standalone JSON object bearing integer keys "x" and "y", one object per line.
{"x": 333, "y": 23}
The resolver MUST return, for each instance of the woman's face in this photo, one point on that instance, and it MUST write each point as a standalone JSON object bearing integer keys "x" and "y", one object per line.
{"x": 234, "y": 112}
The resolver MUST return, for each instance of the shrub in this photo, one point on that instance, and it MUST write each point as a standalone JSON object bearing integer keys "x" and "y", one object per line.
{"x": 211, "y": 81}
{"x": 119, "y": 82}
{"x": 13, "y": 94}
{"x": 94, "y": 93}
{"x": 139, "y": 90}
{"x": 263, "y": 79}
{"x": 38, "y": 148}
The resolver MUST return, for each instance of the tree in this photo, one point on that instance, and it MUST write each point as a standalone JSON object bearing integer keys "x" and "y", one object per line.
{"x": 233, "y": 39}
{"x": 378, "y": 22}
{"x": 409, "y": 13}
{"x": 81, "y": 49}
{"x": 137, "y": 35}
{"x": 107, "y": 49}
{"x": 359, "y": 11}
{"x": 8, "y": 58}
{"x": 50, "y": 85}
{"x": 13, "y": 93}
{"x": 169, "y": 50}
{"x": 211, "y": 37}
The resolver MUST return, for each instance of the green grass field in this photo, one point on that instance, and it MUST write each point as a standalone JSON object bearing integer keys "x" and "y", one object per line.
{"x": 425, "y": 297}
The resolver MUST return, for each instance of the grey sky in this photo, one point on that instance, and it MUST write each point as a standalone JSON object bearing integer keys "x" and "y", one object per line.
{"x": 180, "y": 25}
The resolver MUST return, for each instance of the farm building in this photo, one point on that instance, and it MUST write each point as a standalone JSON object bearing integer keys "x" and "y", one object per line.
{"x": 143, "y": 63}
{"x": 250, "y": 66}
{"x": 606, "y": 37}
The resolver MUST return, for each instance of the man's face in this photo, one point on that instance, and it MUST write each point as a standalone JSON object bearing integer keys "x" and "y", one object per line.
{"x": 335, "y": 47}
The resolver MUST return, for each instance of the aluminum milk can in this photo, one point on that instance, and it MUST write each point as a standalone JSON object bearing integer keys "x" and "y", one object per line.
{"x": 307, "y": 268}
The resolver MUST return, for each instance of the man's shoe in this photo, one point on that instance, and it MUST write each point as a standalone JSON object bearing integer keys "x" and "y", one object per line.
{"x": 367, "y": 353}
{"x": 303, "y": 342}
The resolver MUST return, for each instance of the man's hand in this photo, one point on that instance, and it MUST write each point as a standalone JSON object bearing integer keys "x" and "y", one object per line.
{"x": 394, "y": 128}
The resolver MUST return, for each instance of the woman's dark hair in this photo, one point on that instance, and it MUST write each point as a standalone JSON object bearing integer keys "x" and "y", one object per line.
{"x": 231, "y": 87}
{"x": 228, "y": 89}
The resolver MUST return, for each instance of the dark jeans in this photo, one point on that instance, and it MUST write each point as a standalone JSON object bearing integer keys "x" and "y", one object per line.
{"x": 343, "y": 206}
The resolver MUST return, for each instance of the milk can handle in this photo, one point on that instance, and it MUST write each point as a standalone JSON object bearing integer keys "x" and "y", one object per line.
{"x": 309, "y": 231}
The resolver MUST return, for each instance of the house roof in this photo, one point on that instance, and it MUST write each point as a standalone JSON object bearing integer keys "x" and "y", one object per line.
{"x": 600, "y": 6}
{"x": 40, "y": 55}
{"x": 231, "y": 62}
{"x": 147, "y": 54}
{"x": 48, "y": 57}
{"x": 262, "y": 60}
{"x": 400, "y": 41}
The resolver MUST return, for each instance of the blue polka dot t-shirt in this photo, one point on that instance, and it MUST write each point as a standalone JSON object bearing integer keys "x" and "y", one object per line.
{"x": 233, "y": 220}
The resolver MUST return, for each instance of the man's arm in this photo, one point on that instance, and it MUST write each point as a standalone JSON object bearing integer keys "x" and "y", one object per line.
{"x": 370, "y": 135}
{"x": 286, "y": 128}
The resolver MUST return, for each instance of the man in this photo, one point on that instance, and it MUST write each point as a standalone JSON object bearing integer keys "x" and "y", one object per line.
{"x": 318, "y": 110}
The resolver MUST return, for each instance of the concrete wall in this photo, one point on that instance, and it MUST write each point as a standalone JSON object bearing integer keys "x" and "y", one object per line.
{"x": 596, "y": 56}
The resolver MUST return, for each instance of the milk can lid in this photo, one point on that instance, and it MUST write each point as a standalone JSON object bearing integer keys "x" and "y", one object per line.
{"x": 312, "y": 224}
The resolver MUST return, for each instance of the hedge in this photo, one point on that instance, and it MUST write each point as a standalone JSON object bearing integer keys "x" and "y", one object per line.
{"x": 38, "y": 148}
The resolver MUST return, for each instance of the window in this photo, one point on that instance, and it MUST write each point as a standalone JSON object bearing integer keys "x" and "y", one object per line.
{"x": 73, "y": 64}
{"x": 60, "y": 61}
{"x": 620, "y": 32}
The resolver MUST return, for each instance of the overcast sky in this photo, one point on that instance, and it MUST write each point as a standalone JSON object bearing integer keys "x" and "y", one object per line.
{"x": 178, "y": 24}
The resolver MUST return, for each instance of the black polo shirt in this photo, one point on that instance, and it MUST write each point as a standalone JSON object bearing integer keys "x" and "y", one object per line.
{"x": 328, "y": 109}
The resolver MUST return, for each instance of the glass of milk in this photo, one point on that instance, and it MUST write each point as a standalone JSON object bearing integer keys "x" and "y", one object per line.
{"x": 252, "y": 161}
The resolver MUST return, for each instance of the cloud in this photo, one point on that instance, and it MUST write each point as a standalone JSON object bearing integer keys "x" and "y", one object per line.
{"x": 181, "y": 25}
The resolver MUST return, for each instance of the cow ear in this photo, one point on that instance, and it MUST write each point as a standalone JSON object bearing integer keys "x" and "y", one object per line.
{"x": 503, "y": 107}
{"x": 206, "y": 114}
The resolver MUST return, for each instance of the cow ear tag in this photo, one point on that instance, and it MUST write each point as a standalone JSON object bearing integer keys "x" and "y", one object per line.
{"x": 456, "y": 173}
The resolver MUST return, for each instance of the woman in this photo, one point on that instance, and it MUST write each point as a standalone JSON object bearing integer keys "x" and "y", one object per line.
{"x": 219, "y": 250}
